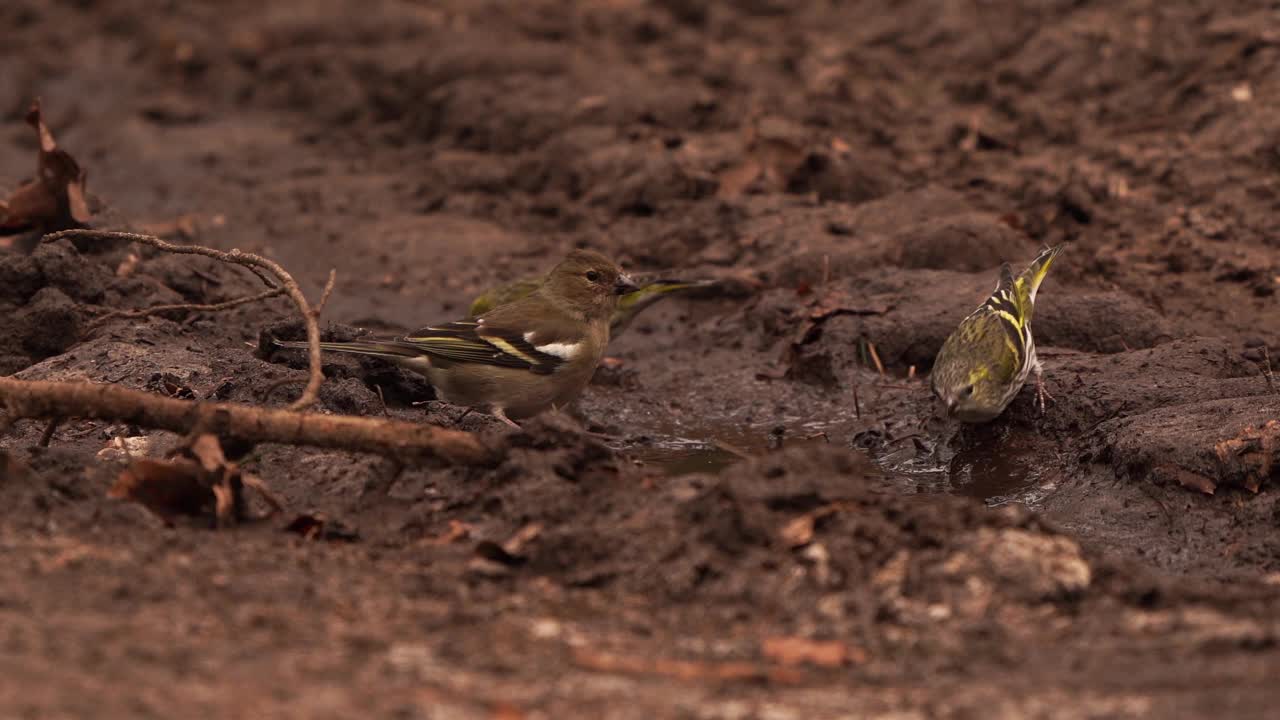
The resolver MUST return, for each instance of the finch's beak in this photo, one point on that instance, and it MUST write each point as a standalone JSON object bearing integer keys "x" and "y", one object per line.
{"x": 624, "y": 284}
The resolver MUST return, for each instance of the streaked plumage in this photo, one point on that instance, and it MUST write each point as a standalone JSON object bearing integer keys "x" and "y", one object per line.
{"x": 985, "y": 362}
{"x": 629, "y": 305}
{"x": 520, "y": 358}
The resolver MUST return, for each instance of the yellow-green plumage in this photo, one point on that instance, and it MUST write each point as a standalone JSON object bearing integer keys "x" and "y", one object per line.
{"x": 987, "y": 359}
{"x": 629, "y": 305}
{"x": 521, "y": 358}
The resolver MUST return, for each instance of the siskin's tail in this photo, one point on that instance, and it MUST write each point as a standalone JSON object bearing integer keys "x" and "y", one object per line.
{"x": 386, "y": 349}
{"x": 1029, "y": 281}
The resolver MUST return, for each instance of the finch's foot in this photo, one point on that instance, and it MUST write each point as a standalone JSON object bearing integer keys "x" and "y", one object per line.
{"x": 1042, "y": 393}
{"x": 501, "y": 415}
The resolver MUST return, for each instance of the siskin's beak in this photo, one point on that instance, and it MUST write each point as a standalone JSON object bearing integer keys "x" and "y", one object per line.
{"x": 624, "y": 284}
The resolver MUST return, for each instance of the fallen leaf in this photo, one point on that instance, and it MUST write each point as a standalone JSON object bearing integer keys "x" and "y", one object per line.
{"x": 1187, "y": 479}
{"x": 799, "y": 531}
{"x": 516, "y": 544}
{"x": 774, "y": 150}
{"x": 510, "y": 552}
{"x": 170, "y": 385}
{"x": 167, "y": 488}
{"x": 208, "y": 451}
{"x": 837, "y": 302}
{"x": 125, "y": 448}
{"x": 185, "y": 227}
{"x": 792, "y": 651}
{"x": 55, "y": 199}
{"x": 735, "y": 180}
{"x": 198, "y": 481}
{"x": 1249, "y": 458}
{"x": 458, "y": 530}
{"x": 128, "y": 265}
{"x": 319, "y": 526}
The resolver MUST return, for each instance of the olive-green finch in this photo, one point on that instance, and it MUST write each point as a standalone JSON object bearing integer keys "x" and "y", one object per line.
{"x": 629, "y": 305}
{"x": 519, "y": 359}
{"x": 986, "y": 361}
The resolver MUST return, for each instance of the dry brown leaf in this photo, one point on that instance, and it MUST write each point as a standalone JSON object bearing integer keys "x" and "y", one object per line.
{"x": 774, "y": 150}
{"x": 511, "y": 552}
{"x": 1249, "y": 458}
{"x": 837, "y": 302}
{"x": 1187, "y": 479}
{"x": 735, "y": 180}
{"x": 458, "y": 530}
{"x": 183, "y": 227}
{"x": 198, "y": 482}
{"x": 55, "y": 199}
{"x": 792, "y": 651}
{"x": 516, "y": 544}
{"x": 319, "y": 526}
{"x": 208, "y": 451}
{"x": 798, "y": 532}
{"x": 167, "y": 488}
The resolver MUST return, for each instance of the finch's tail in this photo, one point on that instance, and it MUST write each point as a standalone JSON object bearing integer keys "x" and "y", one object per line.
{"x": 386, "y": 349}
{"x": 1029, "y": 281}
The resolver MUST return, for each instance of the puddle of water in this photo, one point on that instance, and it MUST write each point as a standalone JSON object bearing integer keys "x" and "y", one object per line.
{"x": 711, "y": 450}
{"x": 693, "y": 457}
{"x": 1010, "y": 467}
{"x": 996, "y": 467}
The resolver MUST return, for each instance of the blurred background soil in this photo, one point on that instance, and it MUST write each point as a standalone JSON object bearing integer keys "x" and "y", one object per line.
{"x": 765, "y": 522}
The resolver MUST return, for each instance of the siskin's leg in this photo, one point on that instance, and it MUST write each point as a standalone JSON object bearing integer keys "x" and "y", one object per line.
{"x": 1042, "y": 393}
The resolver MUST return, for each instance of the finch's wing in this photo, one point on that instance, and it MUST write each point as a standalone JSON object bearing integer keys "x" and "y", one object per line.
{"x": 476, "y": 342}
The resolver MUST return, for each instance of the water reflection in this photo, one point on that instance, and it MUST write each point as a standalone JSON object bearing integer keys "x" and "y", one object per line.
{"x": 995, "y": 466}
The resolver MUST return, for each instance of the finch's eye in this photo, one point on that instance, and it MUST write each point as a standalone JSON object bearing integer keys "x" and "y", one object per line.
{"x": 593, "y": 276}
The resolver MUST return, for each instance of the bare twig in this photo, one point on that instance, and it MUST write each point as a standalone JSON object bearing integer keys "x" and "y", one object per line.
{"x": 875, "y": 356}
{"x": 49, "y": 430}
{"x": 1266, "y": 369}
{"x": 255, "y": 263}
{"x": 324, "y": 295}
{"x": 189, "y": 307}
{"x": 731, "y": 449}
{"x": 41, "y": 399}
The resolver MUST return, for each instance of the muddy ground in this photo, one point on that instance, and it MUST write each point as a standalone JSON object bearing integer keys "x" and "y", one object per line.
{"x": 855, "y": 173}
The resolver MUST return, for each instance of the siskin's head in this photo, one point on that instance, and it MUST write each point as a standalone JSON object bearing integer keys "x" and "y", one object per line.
{"x": 588, "y": 283}
{"x": 973, "y": 375}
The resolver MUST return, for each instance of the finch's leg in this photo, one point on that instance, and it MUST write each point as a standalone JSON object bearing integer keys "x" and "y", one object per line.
{"x": 501, "y": 415}
{"x": 1042, "y": 393}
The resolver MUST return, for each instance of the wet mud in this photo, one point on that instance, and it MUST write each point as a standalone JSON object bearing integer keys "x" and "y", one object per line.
{"x": 753, "y": 511}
